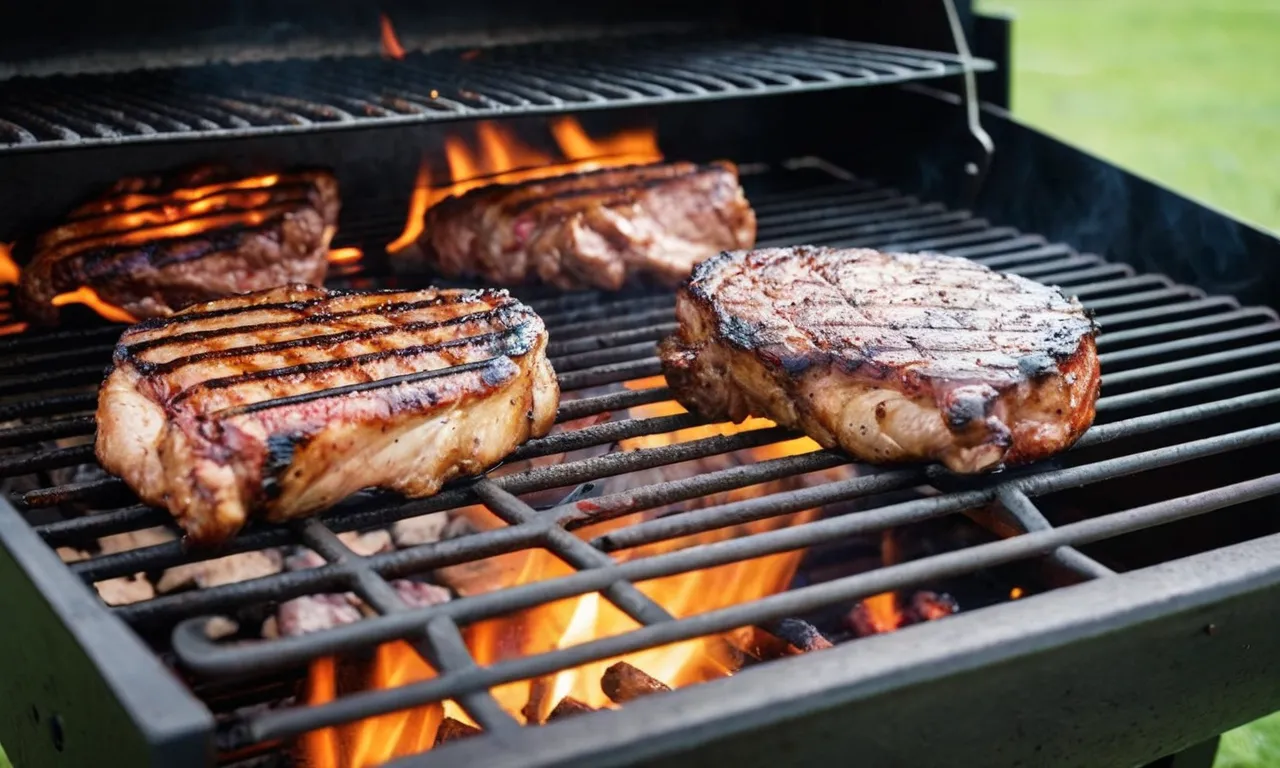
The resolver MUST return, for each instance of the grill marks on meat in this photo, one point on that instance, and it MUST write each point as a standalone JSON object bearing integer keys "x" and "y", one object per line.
{"x": 601, "y": 229}
{"x": 285, "y": 401}
{"x": 152, "y": 246}
{"x": 891, "y": 357}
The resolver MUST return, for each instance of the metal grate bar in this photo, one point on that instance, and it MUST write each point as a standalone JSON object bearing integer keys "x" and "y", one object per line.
{"x": 438, "y": 646}
{"x": 199, "y": 654}
{"x": 1020, "y": 506}
{"x": 574, "y": 551}
{"x": 292, "y": 722}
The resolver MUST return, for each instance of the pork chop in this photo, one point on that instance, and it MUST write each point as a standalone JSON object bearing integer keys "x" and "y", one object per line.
{"x": 285, "y": 401}
{"x": 890, "y": 357}
{"x": 153, "y": 246}
{"x": 602, "y": 229}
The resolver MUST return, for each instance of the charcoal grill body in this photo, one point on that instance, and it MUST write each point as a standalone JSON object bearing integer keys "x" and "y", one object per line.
{"x": 1118, "y": 669}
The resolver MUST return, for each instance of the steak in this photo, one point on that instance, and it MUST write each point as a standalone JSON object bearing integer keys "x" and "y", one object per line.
{"x": 283, "y": 402}
{"x": 890, "y": 357}
{"x": 151, "y": 246}
{"x": 602, "y": 229}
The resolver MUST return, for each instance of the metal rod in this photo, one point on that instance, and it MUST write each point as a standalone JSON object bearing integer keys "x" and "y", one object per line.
{"x": 288, "y": 723}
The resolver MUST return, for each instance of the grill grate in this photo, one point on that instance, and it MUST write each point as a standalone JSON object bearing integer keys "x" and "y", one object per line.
{"x": 334, "y": 93}
{"x": 1174, "y": 360}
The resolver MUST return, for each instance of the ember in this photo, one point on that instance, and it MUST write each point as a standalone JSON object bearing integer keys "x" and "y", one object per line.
{"x": 572, "y": 621}
{"x": 886, "y": 612}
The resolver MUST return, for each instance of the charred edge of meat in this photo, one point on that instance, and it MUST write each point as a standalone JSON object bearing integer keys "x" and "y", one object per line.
{"x": 510, "y": 342}
{"x": 631, "y": 177}
{"x": 287, "y": 190}
{"x": 494, "y": 372}
{"x": 281, "y": 449}
{"x": 506, "y": 314}
{"x": 160, "y": 185}
{"x": 109, "y": 261}
{"x": 315, "y": 318}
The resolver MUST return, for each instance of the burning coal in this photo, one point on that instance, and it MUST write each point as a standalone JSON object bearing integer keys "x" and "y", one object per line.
{"x": 573, "y": 621}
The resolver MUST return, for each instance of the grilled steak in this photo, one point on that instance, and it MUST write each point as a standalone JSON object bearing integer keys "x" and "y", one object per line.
{"x": 153, "y": 246}
{"x": 890, "y": 357}
{"x": 601, "y": 229}
{"x": 285, "y": 401}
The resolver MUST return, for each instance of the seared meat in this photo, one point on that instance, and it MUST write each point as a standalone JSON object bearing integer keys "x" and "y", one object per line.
{"x": 601, "y": 229}
{"x": 890, "y": 357}
{"x": 153, "y": 246}
{"x": 285, "y": 401}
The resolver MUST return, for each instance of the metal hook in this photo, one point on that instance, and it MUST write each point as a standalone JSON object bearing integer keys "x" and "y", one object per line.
{"x": 976, "y": 171}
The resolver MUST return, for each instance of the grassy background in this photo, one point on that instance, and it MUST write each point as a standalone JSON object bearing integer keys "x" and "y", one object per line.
{"x": 1183, "y": 91}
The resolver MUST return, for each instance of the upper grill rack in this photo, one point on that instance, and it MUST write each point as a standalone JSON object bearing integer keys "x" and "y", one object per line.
{"x": 335, "y": 93}
{"x": 1174, "y": 360}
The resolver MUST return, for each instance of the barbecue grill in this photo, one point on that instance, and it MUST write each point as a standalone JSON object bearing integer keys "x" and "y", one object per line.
{"x": 1149, "y": 553}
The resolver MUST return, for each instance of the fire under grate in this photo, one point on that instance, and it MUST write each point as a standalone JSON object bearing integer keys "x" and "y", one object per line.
{"x": 333, "y": 93}
{"x": 1174, "y": 361}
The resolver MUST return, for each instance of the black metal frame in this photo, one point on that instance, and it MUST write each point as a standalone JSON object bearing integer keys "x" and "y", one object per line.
{"x": 1065, "y": 679}
{"x": 1155, "y": 333}
{"x": 271, "y": 98}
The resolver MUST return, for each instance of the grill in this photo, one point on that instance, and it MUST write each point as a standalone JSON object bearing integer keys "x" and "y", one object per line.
{"x": 303, "y": 96}
{"x": 1147, "y": 551}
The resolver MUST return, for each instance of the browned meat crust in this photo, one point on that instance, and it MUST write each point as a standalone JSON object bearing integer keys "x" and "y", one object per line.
{"x": 285, "y": 401}
{"x": 601, "y": 229}
{"x": 890, "y": 357}
{"x": 152, "y": 246}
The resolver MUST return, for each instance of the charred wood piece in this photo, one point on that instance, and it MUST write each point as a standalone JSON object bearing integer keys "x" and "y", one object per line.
{"x": 568, "y": 707}
{"x": 800, "y": 634}
{"x": 452, "y": 730}
{"x": 623, "y": 682}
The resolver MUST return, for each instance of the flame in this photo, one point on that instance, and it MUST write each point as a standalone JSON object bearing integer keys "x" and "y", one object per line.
{"x": 87, "y": 296}
{"x": 9, "y": 270}
{"x": 576, "y": 620}
{"x": 1015, "y": 593}
{"x": 349, "y": 255}
{"x": 882, "y": 612}
{"x": 134, "y": 201}
{"x": 9, "y": 273}
{"x": 500, "y": 157}
{"x": 390, "y": 43}
{"x": 135, "y": 218}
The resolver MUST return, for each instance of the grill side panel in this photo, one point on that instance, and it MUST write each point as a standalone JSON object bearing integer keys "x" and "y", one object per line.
{"x": 79, "y": 688}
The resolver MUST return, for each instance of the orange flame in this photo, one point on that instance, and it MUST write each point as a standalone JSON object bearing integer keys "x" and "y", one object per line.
{"x": 88, "y": 297}
{"x": 501, "y": 158}
{"x": 390, "y": 43}
{"x": 1015, "y": 593}
{"x": 136, "y": 218}
{"x": 882, "y": 612}
{"x": 348, "y": 255}
{"x": 573, "y": 621}
{"x": 9, "y": 270}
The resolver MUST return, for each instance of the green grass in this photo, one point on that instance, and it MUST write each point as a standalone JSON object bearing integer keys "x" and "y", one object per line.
{"x": 1183, "y": 91}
